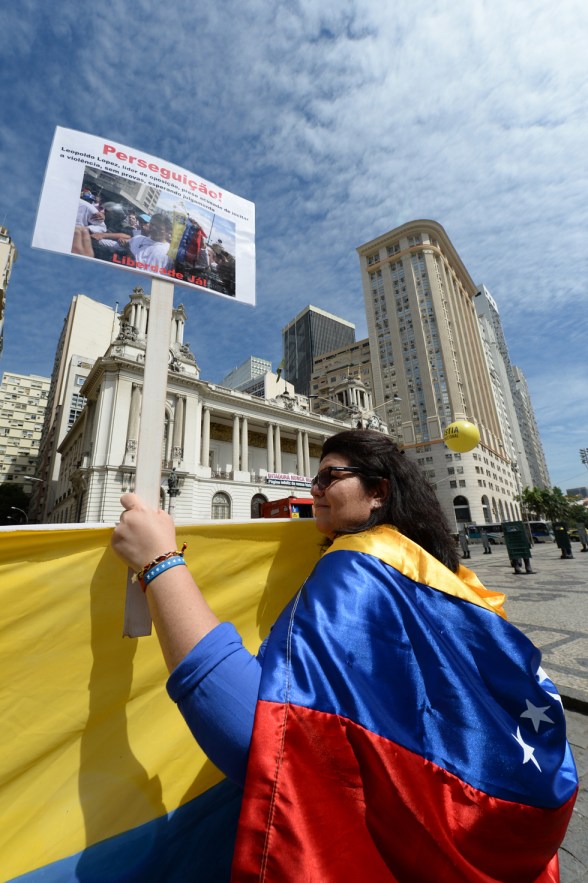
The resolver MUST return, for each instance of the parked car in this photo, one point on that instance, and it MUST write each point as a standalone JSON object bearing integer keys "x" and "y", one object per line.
{"x": 495, "y": 539}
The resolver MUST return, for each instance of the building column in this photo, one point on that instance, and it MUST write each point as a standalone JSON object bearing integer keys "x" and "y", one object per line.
{"x": 244, "y": 445}
{"x": 178, "y": 433}
{"x": 270, "y": 448}
{"x": 236, "y": 459}
{"x": 299, "y": 453}
{"x": 138, "y": 317}
{"x": 205, "y": 437}
{"x": 142, "y": 318}
{"x": 306, "y": 455}
{"x": 197, "y": 452}
{"x": 278, "y": 449}
{"x": 166, "y": 453}
{"x": 133, "y": 424}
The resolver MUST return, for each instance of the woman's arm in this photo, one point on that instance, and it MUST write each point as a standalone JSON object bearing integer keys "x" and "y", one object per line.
{"x": 180, "y": 614}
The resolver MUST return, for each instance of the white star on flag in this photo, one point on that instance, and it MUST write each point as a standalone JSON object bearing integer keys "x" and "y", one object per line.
{"x": 528, "y": 750}
{"x": 537, "y": 714}
{"x": 542, "y": 676}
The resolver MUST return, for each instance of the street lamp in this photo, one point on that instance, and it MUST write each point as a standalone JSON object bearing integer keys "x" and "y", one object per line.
{"x": 16, "y": 509}
{"x": 584, "y": 456}
{"x": 30, "y": 478}
{"x": 173, "y": 489}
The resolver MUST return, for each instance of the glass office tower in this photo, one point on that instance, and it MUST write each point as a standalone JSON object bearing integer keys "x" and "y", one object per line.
{"x": 312, "y": 333}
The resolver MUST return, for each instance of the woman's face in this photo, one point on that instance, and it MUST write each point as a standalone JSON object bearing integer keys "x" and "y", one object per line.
{"x": 345, "y": 503}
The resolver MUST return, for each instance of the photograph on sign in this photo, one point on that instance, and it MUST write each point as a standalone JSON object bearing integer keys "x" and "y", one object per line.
{"x": 105, "y": 202}
{"x": 177, "y": 239}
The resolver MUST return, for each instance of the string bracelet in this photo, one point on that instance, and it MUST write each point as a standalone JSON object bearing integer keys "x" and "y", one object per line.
{"x": 138, "y": 577}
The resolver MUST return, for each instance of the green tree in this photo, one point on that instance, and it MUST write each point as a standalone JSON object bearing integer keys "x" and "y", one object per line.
{"x": 550, "y": 504}
{"x": 12, "y": 495}
{"x": 578, "y": 513}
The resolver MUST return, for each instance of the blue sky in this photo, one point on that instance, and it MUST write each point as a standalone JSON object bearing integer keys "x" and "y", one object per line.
{"x": 340, "y": 120}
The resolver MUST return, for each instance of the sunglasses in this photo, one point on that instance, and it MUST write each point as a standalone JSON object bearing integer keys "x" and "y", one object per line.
{"x": 324, "y": 478}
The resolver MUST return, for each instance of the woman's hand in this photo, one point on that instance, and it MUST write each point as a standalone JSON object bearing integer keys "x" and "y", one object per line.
{"x": 180, "y": 614}
{"x": 142, "y": 533}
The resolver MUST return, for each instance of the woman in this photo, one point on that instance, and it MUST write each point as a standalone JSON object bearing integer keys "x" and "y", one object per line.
{"x": 394, "y": 726}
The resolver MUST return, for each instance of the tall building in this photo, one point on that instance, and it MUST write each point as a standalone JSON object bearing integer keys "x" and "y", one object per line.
{"x": 310, "y": 334}
{"x": 522, "y": 440}
{"x": 23, "y": 402}
{"x": 142, "y": 196}
{"x": 353, "y": 360}
{"x": 87, "y": 331}
{"x": 255, "y": 377}
{"x": 508, "y": 403}
{"x": 342, "y": 383}
{"x": 430, "y": 368}
{"x": 531, "y": 437}
{"x": 231, "y": 451}
{"x": 8, "y": 256}
{"x": 579, "y": 492}
{"x": 248, "y": 375}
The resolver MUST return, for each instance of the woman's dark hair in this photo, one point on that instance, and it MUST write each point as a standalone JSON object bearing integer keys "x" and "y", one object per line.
{"x": 411, "y": 505}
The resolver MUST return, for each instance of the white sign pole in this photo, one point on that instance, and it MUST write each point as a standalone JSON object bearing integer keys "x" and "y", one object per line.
{"x": 137, "y": 621}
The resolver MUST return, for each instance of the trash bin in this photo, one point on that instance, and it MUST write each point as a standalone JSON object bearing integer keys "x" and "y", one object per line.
{"x": 562, "y": 538}
{"x": 517, "y": 544}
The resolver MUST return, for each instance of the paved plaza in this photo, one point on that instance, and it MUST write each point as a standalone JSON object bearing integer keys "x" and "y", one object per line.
{"x": 551, "y": 607}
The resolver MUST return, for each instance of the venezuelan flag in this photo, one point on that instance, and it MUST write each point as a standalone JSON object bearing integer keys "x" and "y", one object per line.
{"x": 100, "y": 779}
{"x": 405, "y": 731}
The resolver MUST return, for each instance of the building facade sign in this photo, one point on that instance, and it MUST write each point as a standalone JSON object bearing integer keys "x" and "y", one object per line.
{"x": 288, "y": 478}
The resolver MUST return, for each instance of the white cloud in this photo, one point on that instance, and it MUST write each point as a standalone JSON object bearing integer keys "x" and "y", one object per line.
{"x": 340, "y": 120}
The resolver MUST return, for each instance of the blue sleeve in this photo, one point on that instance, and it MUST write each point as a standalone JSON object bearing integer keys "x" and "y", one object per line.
{"x": 215, "y": 687}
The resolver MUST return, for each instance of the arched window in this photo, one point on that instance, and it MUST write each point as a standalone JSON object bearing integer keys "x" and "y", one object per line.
{"x": 461, "y": 508}
{"x": 256, "y": 503}
{"x": 221, "y": 506}
{"x": 486, "y": 509}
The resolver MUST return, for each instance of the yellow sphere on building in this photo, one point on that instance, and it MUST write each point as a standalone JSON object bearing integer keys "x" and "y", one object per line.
{"x": 461, "y": 436}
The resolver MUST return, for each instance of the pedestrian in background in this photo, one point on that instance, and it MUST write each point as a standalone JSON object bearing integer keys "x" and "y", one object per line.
{"x": 582, "y": 536}
{"x": 465, "y": 545}
{"x": 486, "y": 542}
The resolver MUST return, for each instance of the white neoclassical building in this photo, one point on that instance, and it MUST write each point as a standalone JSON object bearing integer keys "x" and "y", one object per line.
{"x": 230, "y": 451}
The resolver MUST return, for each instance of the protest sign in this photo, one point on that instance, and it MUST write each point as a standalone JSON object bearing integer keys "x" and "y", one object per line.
{"x": 104, "y": 201}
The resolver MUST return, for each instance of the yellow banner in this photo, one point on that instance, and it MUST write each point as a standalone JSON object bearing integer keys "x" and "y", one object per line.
{"x": 92, "y": 746}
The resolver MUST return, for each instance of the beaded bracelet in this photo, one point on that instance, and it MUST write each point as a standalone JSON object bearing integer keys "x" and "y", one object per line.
{"x": 160, "y": 568}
